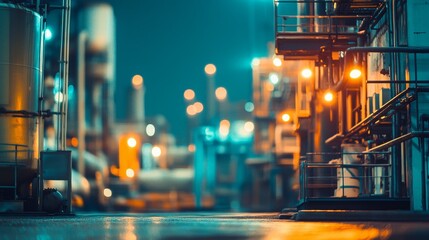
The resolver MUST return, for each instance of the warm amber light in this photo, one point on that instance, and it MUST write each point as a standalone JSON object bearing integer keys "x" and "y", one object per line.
{"x": 137, "y": 81}
{"x": 191, "y": 147}
{"x": 306, "y": 73}
{"x": 210, "y": 69}
{"x": 328, "y": 97}
{"x": 74, "y": 142}
{"x": 191, "y": 110}
{"x": 130, "y": 173}
{"x": 221, "y": 93}
{"x": 114, "y": 170}
{"x": 224, "y": 128}
{"x": 189, "y": 94}
{"x": 355, "y": 73}
{"x": 286, "y": 117}
{"x": 107, "y": 192}
{"x": 199, "y": 107}
{"x": 277, "y": 62}
{"x": 132, "y": 142}
{"x": 128, "y": 155}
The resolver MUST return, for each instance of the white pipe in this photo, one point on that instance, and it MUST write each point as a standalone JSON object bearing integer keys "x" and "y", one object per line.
{"x": 64, "y": 66}
{"x": 81, "y": 102}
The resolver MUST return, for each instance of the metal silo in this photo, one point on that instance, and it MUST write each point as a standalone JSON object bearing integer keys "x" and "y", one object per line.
{"x": 20, "y": 74}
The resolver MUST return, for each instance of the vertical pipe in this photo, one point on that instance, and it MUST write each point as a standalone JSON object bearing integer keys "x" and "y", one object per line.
{"x": 81, "y": 102}
{"x": 210, "y": 98}
{"x": 64, "y": 65}
{"x": 275, "y": 19}
{"x": 40, "y": 117}
{"x": 396, "y": 179}
{"x": 424, "y": 180}
{"x": 15, "y": 172}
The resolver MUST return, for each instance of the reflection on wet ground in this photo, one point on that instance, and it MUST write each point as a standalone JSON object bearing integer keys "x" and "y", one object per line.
{"x": 199, "y": 226}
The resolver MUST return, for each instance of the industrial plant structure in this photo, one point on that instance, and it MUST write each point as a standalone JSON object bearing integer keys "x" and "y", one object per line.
{"x": 340, "y": 118}
{"x": 359, "y": 107}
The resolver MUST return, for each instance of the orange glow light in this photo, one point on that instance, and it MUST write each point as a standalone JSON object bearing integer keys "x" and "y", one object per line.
{"x": 191, "y": 147}
{"x": 137, "y": 81}
{"x": 74, "y": 142}
{"x": 131, "y": 142}
{"x": 306, "y": 73}
{"x": 198, "y": 107}
{"x": 129, "y": 172}
{"x": 210, "y": 69}
{"x": 285, "y": 117}
{"x": 191, "y": 110}
{"x": 277, "y": 62}
{"x": 355, "y": 73}
{"x": 114, "y": 170}
{"x": 224, "y": 127}
{"x": 189, "y": 94}
{"x": 221, "y": 93}
{"x": 128, "y": 155}
{"x": 328, "y": 97}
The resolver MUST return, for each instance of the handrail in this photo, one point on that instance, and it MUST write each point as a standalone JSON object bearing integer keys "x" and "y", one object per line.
{"x": 355, "y": 180}
{"x": 400, "y": 139}
{"x": 377, "y": 114}
{"x": 13, "y": 162}
{"x": 384, "y": 109}
{"x": 327, "y": 27}
{"x": 281, "y": 26}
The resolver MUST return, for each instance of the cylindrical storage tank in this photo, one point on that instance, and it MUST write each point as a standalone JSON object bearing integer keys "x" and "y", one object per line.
{"x": 20, "y": 74}
{"x": 98, "y": 22}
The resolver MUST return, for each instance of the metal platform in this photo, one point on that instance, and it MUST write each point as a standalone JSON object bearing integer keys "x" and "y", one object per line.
{"x": 307, "y": 46}
{"x": 301, "y": 35}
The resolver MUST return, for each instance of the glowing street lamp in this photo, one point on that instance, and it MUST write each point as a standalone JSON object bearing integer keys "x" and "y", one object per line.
{"x": 286, "y": 117}
{"x": 328, "y": 97}
{"x": 306, "y": 73}
{"x": 191, "y": 110}
{"x": 210, "y": 69}
{"x": 221, "y": 93}
{"x": 355, "y": 73}
{"x": 199, "y": 107}
{"x": 189, "y": 94}
{"x": 277, "y": 62}
{"x": 137, "y": 81}
{"x": 131, "y": 142}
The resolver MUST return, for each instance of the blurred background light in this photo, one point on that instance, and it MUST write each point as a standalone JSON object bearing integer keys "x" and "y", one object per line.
{"x": 150, "y": 130}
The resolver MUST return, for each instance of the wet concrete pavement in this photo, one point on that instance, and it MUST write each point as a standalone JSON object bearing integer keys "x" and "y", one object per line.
{"x": 199, "y": 225}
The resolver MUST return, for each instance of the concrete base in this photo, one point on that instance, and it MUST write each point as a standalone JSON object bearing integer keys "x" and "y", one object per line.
{"x": 357, "y": 216}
